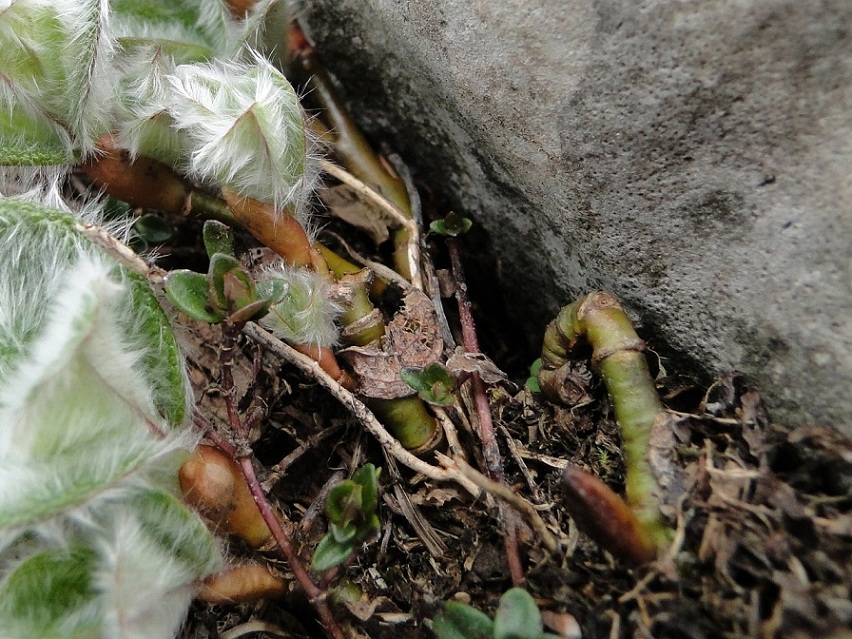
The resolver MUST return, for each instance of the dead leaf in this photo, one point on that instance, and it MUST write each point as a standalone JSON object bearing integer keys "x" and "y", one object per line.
{"x": 412, "y": 339}
{"x": 435, "y": 496}
{"x": 665, "y": 433}
{"x": 460, "y": 361}
{"x": 343, "y": 203}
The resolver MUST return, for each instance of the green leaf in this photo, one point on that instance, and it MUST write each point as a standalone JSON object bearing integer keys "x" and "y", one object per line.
{"x": 368, "y": 478}
{"x": 346, "y": 534}
{"x": 532, "y": 380}
{"x": 220, "y": 264}
{"x": 162, "y": 360}
{"x": 218, "y": 238}
{"x": 230, "y": 285}
{"x": 176, "y": 529}
{"x": 460, "y": 621}
{"x": 434, "y": 384}
{"x": 329, "y": 553}
{"x": 255, "y": 310}
{"x": 226, "y": 112}
{"x": 153, "y": 229}
{"x": 51, "y": 595}
{"x": 240, "y": 290}
{"x": 517, "y": 616}
{"x": 176, "y": 28}
{"x": 30, "y": 140}
{"x": 344, "y": 503}
{"x": 453, "y": 225}
{"x": 190, "y": 294}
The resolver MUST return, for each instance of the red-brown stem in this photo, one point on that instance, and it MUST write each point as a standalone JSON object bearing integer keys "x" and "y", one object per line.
{"x": 212, "y": 434}
{"x": 244, "y": 460}
{"x": 141, "y": 182}
{"x": 316, "y": 596}
{"x": 324, "y": 356}
{"x": 226, "y": 360}
{"x": 490, "y": 449}
{"x": 278, "y": 230}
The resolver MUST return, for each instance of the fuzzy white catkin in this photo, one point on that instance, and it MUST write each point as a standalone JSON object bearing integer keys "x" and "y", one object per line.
{"x": 56, "y": 57}
{"x": 307, "y": 313}
{"x": 88, "y": 458}
{"x": 245, "y": 128}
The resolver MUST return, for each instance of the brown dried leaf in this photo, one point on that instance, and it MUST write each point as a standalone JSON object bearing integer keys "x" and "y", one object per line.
{"x": 343, "y": 203}
{"x": 666, "y": 432}
{"x": 435, "y": 496}
{"x": 460, "y": 361}
{"x": 365, "y": 607}
{"x": 412, "y": 339}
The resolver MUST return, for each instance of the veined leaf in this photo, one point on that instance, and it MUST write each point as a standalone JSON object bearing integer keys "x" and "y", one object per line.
{"x": 82, "y": 344}
{"x": 244, "y": 126}
{"x": 38, "y": 239}
{"x": 56, "y": 58}
{"x": 460, "y": 621}
{"x": 51, "y": 595}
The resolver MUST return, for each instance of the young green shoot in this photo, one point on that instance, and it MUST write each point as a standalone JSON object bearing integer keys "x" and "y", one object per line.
{"x": 517, "y": 617}
{"x": 597, "y": 320}
{"x": 351, "y": 510}
{"x": 434, "y": 384}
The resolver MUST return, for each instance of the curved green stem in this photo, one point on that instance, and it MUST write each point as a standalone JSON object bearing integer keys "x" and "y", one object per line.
{"x": 599, "y": 321}
{"x": 347, "y": 140}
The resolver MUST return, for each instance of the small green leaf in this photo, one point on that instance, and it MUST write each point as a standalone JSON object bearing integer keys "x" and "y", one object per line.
{"x": 240, "y": 290}
{"x": 344, "y": 503}
{"x": 347, "y": 534}
{"x": 368, "y": 478}
{"x": 329, "y": 553}
{"x": 532, "y": 380}
{"x": 220, "y": 264}
{"x": 453, "y": 225}
{"x": 153, "y": 229}
{"x": 254, "y": 310}
{"x": 517, "y": 616}
{"x": 460, "y": 621}
{"x": 189, "y": 293}
{"x": 218, "y": 238}
{"x": 434, "y": 384}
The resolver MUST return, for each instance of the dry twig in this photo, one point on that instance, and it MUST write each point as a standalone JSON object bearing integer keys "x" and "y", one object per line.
{"x": 357, "y": 408}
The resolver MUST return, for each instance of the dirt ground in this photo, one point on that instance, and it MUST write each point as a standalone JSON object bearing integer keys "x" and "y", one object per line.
{"x": 763, "y": 516}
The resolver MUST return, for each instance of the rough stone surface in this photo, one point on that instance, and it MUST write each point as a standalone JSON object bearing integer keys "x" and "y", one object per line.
{"x": 694, "y": 158}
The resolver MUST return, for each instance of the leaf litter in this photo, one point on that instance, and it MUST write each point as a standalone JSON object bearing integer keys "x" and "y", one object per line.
{"x": 763, "y": 515}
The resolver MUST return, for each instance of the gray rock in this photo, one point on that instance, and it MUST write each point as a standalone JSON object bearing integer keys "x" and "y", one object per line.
{"x": 693, "y": 158}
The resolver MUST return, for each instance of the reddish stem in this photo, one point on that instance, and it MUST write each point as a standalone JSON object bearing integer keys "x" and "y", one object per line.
{"x": 213, "y": 435}
{"x": 226, "y": 361}
{"x": 243, "y": 458}
{"x": 315, "y": 594}
{"x": 490, "y": 449}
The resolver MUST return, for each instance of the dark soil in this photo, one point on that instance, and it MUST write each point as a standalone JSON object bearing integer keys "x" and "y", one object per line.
{"x": 763, "y": 525}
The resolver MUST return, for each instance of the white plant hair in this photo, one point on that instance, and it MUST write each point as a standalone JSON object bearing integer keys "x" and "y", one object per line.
{"x": 89, "y": 451}
{"x": 246, "y": 129}
{"x": 69, "y": 45}
{"x": 134, "y": 551}
{"x": 79, "y": 387}
{"x": 308, "y": 311}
